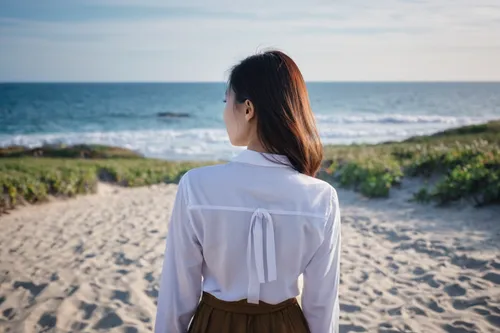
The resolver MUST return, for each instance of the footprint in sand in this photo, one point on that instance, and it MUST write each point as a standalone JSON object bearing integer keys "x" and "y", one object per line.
{"x": 393, "y": 266}
{"x": 71, "y": 290}
{"x": 121, "y": 259}
{"x": 482, "y": 312}
{"x": 78, "y": 326}
{"x": 47, "y": 321}
{"x": 149, "y": 277}
{"x": 395, "y": 311}
{"x": 351, "y": 328}
{"x": 422, "y": 246}
{"x": 429, "y": 279}
{"x": 123, "y": 296}
{"x": 34, "y": 289}
{"x": 493, "y": 320}
{"x": 419, "y": 271}
{"x": 361, "y": 279}
{"x": 9, "y": 313}
{"x": 492, "y": 277}
{"x": 454, "y": 290}
{"x": 387, "y": 328}
{"x": 349, "y": 308}
{"x": 453, "y": 329}
{"x": 466, "y": 262}
{"x": 90, "y": 255}
{"x": 463, "y": 278}
{"x": 459, "y": 326}
{"x": 462, "y": 304}
{"x": 152, "y": 292}
{"x": 393, "y": 291}
{"x": 395, "y": 237}
{"x": 88, "y": 310}
{"x": 110, "y": 320}
{"x": 417, "y": 311}
{"x": 130, "y": 329}
{"x": 144, "y": 317}
{"x": 431, "y": 304}
{"x": 78, "y": 249}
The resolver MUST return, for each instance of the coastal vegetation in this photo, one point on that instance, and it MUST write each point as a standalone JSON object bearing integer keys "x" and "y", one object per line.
{"x": 35, "y": 175}
{"x": 459, "y": 164}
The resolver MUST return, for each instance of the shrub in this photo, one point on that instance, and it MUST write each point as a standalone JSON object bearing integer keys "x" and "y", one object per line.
{"x": 466, "y": 160}
{"x": 477, "y": 179}
{"x": 33, "y": 180}
{"x": 372, "y": 177}
{"x": 422, "y": 196}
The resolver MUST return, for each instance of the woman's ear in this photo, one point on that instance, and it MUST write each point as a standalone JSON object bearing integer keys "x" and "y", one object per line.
{"x": 249, "y": 110}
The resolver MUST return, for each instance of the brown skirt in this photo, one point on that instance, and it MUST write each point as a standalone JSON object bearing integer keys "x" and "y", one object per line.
{"x": 216, "y": 316}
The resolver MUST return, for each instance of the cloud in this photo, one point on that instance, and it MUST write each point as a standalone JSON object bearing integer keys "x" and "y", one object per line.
{"x": 114, "y": 40}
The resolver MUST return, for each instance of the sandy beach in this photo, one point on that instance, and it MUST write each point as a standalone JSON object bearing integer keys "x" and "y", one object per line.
{"x": 93, "y": 264}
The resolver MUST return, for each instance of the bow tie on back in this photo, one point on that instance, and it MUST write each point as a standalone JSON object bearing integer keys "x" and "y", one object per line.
{"x": 261, "y": 221}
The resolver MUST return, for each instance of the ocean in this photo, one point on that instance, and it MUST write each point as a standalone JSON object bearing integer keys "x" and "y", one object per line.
{"x": 132, "y": 115}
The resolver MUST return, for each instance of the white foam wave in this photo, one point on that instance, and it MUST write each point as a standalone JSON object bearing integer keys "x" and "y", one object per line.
{"x": 365, "y": 133}
{"x": 168, "y": 144}
{"x": 399, "y": 119}
{"x": 210, "y": 144}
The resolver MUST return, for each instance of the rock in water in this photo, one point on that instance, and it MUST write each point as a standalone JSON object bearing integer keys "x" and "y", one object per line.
{"x": 173, "y": 115}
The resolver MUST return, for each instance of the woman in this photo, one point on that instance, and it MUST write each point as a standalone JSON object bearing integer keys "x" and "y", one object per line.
{"x": 242, "y": 233}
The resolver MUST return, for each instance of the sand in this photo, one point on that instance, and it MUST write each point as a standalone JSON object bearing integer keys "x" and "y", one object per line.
{"x": 93, "y": 263}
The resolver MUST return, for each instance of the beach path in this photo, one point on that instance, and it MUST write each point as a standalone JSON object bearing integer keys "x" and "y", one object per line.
{"x": 93, "y": 264}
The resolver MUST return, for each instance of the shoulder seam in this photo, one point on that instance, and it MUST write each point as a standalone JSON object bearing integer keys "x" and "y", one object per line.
{"x": 186, "y": 187}
{"x": 331, "y": 205}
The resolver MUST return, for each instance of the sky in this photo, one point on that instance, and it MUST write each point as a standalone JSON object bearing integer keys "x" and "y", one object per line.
{"x": 199, "y": 40}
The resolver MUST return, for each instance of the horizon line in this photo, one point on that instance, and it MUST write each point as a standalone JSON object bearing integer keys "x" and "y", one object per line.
{"x": 222, "y": 82}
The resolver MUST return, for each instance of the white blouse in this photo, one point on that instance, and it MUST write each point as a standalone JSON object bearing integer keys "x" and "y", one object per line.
{"x": 249, "y": 229}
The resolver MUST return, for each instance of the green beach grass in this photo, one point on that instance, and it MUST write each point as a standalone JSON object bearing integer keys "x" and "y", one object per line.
{"x": 34, "y": 175}
{"x": 464, "y": 162}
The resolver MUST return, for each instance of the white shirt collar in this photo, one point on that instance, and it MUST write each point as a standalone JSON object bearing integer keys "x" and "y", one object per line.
{"x": 262, "y": 159}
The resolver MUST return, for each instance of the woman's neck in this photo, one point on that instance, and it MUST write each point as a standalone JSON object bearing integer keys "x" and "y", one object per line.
{"x": 257, "y": 146}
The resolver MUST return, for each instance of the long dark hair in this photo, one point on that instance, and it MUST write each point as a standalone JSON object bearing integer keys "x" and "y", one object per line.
{"x": 285, "y": 123}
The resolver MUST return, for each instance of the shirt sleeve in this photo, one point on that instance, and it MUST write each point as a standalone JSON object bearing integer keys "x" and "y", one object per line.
{"x": 180, "y": 282}
{"x": 320, "y": 296}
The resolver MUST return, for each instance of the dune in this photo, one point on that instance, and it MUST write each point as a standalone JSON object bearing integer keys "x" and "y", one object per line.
{"x": 93, "y": 264}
